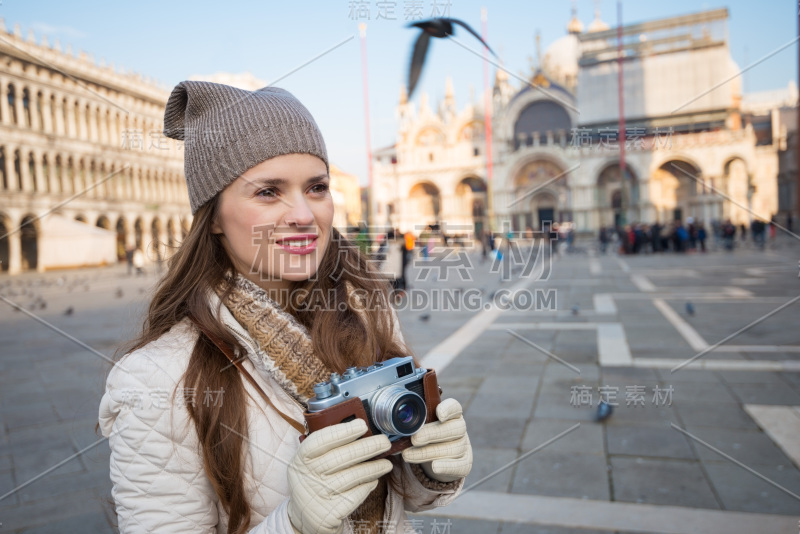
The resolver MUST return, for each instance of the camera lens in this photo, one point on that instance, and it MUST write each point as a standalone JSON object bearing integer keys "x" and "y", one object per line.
{"x": 398, "y": 411}
{"x": 405, "y": 413}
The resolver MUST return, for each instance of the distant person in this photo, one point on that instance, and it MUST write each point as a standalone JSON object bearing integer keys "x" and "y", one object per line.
{"x": 129, "y": 250}
{"x": 604, "y": 239}
{"x": 138, "y": 261}
{"x": 728, "y": 235}
{"x": 701, "y": 236}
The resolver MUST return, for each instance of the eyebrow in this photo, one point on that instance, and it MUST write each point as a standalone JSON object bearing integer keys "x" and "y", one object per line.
{"x": 272, "y": 182}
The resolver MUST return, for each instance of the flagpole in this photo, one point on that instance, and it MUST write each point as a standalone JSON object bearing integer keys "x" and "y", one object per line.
{"x": 487, "y": 120}
{"x": 362, "y": 30}
{"x": 621, "y": 92}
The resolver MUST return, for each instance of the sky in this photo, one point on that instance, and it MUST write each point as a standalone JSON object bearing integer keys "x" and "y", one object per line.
{"x": 172, "y": 40}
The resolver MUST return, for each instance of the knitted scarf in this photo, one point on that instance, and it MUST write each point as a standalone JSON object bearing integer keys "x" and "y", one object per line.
{"x": 285, "y": 353}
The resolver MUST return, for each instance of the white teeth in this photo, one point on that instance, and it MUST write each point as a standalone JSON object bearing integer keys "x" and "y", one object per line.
{"x": 303, "y": 243}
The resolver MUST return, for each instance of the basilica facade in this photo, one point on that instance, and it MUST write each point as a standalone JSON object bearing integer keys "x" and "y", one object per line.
{"x": 694, "y": 146}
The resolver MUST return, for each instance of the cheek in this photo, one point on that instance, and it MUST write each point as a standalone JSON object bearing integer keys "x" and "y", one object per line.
{"x": 324, "y": 215}
{"x": 248, "y": 231}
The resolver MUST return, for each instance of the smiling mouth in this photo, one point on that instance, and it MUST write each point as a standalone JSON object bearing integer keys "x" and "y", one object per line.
{"x": 302, "y": 244}
{"x": 296, "y": 242}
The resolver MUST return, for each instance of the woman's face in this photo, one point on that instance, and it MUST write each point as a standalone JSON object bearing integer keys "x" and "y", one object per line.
{"x": 276, "y": 219}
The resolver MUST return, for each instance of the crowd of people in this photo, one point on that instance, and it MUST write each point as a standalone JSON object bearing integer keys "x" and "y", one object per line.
{"x": 691, "y": 236}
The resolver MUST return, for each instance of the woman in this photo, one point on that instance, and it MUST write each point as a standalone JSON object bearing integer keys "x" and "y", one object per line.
{"x": 263, "y": 299}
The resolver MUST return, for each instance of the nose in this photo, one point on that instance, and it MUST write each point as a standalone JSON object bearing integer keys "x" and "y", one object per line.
{"x": 299, "y": 213}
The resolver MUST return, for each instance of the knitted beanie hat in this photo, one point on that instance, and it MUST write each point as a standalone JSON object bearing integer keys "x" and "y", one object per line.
{"x": 228, "y": 130}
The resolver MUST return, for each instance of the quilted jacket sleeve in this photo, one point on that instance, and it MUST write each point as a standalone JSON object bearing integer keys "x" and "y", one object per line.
{"x": 423, "y": 493}
{"x": 157, "y": 472}
{"x": 159, "y": 484}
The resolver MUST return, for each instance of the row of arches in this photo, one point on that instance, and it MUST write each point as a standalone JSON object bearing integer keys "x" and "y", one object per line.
{"x": 676, "y": 189}
{"x": 32, "y": 171}
{"x": 157, "y": 237}
{"x": 25, "y": 105}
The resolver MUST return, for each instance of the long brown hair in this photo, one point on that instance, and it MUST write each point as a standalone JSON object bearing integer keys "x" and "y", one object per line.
{"x": 345, "y": 308}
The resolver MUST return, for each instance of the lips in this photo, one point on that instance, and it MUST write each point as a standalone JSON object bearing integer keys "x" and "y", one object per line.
{"x": 298, "y": 244}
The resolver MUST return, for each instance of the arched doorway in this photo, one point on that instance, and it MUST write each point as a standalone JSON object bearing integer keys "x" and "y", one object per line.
{"x": 542, "y": 211}
{"x": 29, "y": 243}
{"x": 80, "y": 218}
{"x": 155, "y": 232}
{"x": 425, "y": 203}
{"x": 617, "y": 200}
{"x": 138, "y": 233}
{"x": 471, "y": 202}
{"x": 6, "y": 179}
{"x": 674, "y": 191}
{"x": 5, "y": 251}
{"x": 122, "y": 232}
{"x": 541, "y": 194}
{"x": 737, "y": 185}
{"x": 185, "y": 225}
{"x": 103, "y": 222}
{"x": 171, "y": 234}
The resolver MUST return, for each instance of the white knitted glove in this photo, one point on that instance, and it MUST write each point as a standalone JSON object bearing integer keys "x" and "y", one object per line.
{"x": 329, "y": 477}
{"x": 442, "y": 447}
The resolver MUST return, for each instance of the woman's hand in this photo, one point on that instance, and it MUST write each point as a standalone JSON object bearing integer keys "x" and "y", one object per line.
{"x": 329, "y": 477}
{"x": 442, "y": 447}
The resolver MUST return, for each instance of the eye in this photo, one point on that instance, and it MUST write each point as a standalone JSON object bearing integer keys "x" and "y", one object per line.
{"x": 320, "y": 188}
{"x": 267, "y": 193}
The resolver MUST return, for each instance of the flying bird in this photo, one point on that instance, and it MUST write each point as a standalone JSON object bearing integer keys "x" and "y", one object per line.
{"x": 438, "y": 27}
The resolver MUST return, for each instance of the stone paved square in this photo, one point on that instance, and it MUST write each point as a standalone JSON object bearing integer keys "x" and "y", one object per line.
{"x": 516, "y": 397}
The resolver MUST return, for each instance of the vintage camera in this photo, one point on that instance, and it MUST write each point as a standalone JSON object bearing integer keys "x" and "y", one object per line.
{"x": 393, "y": 397}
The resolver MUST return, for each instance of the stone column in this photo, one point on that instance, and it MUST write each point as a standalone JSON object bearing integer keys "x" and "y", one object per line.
{"x": 105, "y": 117}
{"x": 11, "y": 174}
{"x": 58, "y": 112}
{"x": 71, "y": 127}
{"x": 24, "y": 168}
{"x": 14, "y": 252}
{"x": 37, "y": 111}
{"x": 80, "y": 119}
{"x": 94, "y": 134}
{"x": 5, "y": 112}
{"x": 54, "y": 177}
{"x": 47, "y": 112}
{"x": 18, "y": 106}
{"x": 136, "y": 182}
{"x": 39, "y": 179}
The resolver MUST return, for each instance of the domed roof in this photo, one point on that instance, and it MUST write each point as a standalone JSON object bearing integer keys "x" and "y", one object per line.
{"x": 560, "y": 62}
{"x": 597, "y": 25}
{"x": 575, "y": 25}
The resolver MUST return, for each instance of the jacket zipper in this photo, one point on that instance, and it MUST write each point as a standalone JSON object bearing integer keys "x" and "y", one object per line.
{"x": 391, "y": 499}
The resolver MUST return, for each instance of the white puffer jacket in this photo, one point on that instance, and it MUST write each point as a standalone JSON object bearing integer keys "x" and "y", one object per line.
{"x": 159, "y": 484}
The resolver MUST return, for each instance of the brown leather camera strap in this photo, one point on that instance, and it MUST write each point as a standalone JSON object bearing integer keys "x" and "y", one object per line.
{"x": 226, "y": 350}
